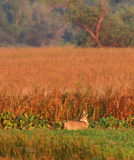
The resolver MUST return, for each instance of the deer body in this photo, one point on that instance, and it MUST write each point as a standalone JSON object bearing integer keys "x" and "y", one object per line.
{"x": 77, "y": 125}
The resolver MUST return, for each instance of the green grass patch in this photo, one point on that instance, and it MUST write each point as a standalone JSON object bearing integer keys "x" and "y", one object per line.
{"x": 90, "y": 144}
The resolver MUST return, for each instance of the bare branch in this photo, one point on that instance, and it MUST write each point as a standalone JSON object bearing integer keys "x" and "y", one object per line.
{"x": 103, "y": 8}
{"x": 87, "y": 29}
{"x": 18, "y": 15}
{"x": 66, "y": 5}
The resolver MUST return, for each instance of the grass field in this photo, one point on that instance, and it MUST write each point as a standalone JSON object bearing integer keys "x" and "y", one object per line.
{"x": 90, "y": 144}
{"x": 57, "y": 84}
{"x": 55, "y": 78}
{"x": 22, "y": 69}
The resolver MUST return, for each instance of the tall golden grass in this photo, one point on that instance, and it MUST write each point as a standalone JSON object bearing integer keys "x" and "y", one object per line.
{"x": 37, "y": 79}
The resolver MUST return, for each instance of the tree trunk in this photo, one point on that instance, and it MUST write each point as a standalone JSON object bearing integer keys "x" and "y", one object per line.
{"x": 95, "y": 36}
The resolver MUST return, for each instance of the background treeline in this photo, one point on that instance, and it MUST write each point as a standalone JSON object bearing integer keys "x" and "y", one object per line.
{"x": 34, "y": 23}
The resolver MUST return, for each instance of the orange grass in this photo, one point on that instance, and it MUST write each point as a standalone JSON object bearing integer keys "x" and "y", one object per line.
{"x": 108, "y": 71}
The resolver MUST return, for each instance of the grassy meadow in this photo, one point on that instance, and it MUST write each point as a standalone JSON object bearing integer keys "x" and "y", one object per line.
{"x": 62, "y": 80}
{"x": 42, "y": 87}
{"x": 23, "y": 69}
{"x": 90, "y": 144}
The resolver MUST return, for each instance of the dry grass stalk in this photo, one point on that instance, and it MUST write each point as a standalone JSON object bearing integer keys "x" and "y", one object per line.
{"x": 36, "y": 79}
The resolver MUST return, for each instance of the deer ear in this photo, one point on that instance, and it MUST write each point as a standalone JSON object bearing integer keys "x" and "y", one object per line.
{"x": 84, "y": 112}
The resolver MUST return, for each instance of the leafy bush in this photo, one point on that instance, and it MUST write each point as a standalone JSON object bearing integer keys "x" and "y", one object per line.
{"x": 26, "y": 121}
{"x": 31, "y": 121}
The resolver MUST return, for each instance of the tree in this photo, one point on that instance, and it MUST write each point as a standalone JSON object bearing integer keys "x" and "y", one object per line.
{"x": 80, "y": 12}
{"x": 84, "y": 23}
{"x": 26, "y": 22}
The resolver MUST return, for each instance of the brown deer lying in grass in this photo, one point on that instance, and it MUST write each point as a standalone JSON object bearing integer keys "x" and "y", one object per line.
{"x": 77, "y": 125}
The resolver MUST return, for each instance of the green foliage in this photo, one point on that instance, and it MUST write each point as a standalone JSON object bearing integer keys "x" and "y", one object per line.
{"x": 30, "y": 121}
{"x": 83, "y": 39}
{"x": 26, "y": 121}
{"x": 117, "y": 29}
{"x": 51, "y": 22}
{"x": 109, "y": 122}
{"x": 28, "y": 23}
{"x": 113, "y": 123}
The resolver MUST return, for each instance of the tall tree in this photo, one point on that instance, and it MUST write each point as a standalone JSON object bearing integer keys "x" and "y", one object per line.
{"x": 80, "y": 12}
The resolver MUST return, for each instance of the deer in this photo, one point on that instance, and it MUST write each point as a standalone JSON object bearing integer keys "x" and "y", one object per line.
{"x": 77, "y": 125}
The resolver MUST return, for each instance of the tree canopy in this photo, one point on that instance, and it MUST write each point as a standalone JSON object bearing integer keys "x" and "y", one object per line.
{"x": 87, "y": 23}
